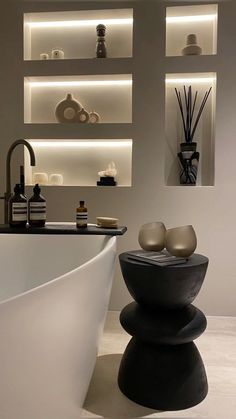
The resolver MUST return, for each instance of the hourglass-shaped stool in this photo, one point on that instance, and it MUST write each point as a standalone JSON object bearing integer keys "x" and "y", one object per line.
{"x": 161, "y": 367}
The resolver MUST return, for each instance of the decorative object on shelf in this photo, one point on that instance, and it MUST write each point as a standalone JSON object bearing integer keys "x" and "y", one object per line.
{"x": 57, "y": 54}
{"x": 110, "y": 170}
{"x": 189, "y": 167}
{"x": 107, "y": 177}
{"x": 40, "y": 178}
{"x": 106, "y": 181}
{"x": 107, "y": 222}
{"x": 188, "y": 155}
{"x": 192, "y": 47}
{"x": 181, "y": 241}
{"x": 82, "y": 116}
{"x": 152, "y": 236}
{"x": 44, "y": 56}
{"x": 67, "y": 109}
{"x": 94, "y": 117}
{"x": 56, "y": 179}
{"x": 101, "y": 51}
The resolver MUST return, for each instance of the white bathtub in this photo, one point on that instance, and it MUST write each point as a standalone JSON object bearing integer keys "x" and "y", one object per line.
{"x": 54, "y": 295}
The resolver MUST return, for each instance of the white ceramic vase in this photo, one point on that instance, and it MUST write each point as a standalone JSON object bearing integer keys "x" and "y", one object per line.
{"x": 67, "y": 109}
{"x": 192, "y": 47}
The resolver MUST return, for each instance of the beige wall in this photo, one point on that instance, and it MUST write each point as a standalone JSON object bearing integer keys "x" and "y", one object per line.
{"x": 211, "y": 210}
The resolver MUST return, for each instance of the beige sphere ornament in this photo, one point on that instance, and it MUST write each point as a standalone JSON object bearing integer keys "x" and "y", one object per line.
{"x": 152, "y": 236}
{"x": 181, "y": 241}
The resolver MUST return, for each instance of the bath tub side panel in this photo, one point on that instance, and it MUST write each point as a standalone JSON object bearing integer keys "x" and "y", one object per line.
{"x": 49, "y": 340}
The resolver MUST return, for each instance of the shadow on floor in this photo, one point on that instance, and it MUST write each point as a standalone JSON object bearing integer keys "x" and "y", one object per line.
{"x": 104, "y": 397}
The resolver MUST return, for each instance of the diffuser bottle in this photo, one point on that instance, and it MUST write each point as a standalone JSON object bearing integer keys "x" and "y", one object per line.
{"x": 81, "y": 215}
{"x": 37, "y": 208}
{"x": 18, "y": 208}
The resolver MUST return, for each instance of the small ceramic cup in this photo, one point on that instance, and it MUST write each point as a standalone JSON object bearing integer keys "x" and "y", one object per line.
{"x": 56, "y": 179}
{"x": 44, "y": 56}
{"x": 58, "y": 54}
{"x": 181, "y": 241}
{"x": 40, "y": 178}
{"x": 152, "y": 236}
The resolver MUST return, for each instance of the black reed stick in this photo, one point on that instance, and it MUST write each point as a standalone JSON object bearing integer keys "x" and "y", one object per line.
{"x": 187, "y": 108}
{"x": 178, "y": 94}
{"x": 200, "y": 112}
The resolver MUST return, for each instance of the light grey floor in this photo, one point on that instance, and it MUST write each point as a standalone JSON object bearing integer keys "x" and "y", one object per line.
{"x": 218, "y": 349}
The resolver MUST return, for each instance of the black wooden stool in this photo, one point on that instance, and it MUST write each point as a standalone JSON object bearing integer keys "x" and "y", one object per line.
{"x": 161, "y": 367}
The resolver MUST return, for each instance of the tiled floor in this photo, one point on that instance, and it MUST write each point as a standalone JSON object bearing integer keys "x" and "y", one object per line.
{"x": 218, "y": 349}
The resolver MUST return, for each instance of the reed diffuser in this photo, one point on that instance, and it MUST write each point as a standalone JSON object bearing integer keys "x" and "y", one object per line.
{"x": 188, "y": 156}
{"x": 187, "y": 101}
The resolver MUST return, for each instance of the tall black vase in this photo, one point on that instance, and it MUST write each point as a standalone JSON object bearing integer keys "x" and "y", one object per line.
{"x": 189, "y": 158}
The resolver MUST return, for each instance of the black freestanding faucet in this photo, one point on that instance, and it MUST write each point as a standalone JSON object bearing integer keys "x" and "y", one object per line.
{"x": 7, "y": 194}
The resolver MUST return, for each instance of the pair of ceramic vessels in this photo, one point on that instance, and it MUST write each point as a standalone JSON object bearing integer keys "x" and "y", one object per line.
{"x": 179, "y": 241}
{"x": 53, "y": 180}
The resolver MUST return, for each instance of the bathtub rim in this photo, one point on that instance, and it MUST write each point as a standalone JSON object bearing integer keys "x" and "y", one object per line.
{"x": 111, "y": 241}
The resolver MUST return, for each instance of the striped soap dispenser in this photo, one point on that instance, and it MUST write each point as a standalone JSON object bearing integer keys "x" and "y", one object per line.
{"x": 37, "y": 208}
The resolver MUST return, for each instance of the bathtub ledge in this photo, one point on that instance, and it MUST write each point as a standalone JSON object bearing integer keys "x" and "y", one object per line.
{"x": 66, "y": 229}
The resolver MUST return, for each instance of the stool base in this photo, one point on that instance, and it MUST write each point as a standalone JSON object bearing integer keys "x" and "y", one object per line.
{"x": 163, "y": 377}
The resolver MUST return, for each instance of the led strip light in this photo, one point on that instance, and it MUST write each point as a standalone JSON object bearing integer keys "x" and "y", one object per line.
{"x": 196, "y": 18}
{"x": 80, "y": 83}
{"x": 191, "y": 80}
{"x": 80, "y": 23}
{"x": 81, "y": 144}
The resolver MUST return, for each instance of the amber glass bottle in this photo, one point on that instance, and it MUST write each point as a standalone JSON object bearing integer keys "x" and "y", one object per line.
{"x": 81, "y": 215}
{"x": 37, "y": 208}
{"x": 18, "y": 208}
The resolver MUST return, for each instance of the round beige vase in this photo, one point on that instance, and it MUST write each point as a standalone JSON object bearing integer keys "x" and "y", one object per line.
{"x": 152, "y": 236}
{"x": 181, "y": 241}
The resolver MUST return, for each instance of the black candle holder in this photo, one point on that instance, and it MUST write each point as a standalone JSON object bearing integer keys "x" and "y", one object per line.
{"x": 106, "y": 181}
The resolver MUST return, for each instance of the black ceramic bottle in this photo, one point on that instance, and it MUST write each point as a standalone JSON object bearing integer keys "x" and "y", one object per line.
{"x": 37, "y": 208}
{"x": 18, "y": 208}
{"x": 101, "y": 51}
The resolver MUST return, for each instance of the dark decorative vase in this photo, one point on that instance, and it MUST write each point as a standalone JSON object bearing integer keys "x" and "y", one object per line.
{"x": 101, "y": 51}
{"x": 189, "y": 159}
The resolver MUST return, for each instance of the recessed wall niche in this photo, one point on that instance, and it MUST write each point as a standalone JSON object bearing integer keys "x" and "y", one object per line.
{"x": 79, "y": 161}
{"x": 205, "y": 133}
{"x": 75, "y": 33}
{"x": 108, "y": 95}
{"x": 184, "y": 20}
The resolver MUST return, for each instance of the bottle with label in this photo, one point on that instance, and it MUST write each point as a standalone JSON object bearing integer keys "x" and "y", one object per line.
{"x": 37, "y": 208}
{"x": 18, "y": 208}
{"x": 81, "y": 215}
